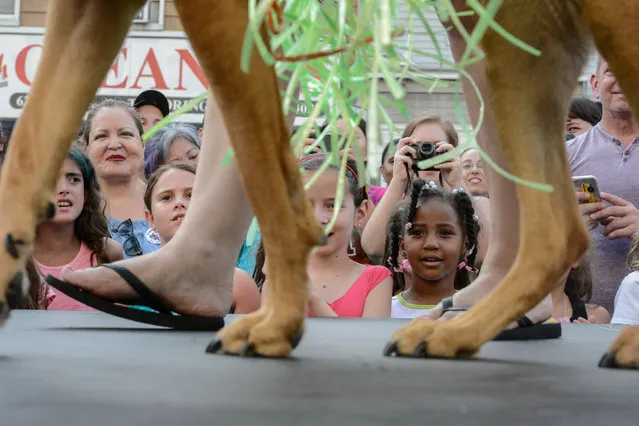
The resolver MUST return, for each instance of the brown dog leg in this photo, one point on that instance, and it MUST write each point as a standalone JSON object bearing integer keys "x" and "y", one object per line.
{"x": 530, "y": 97}
{"x": 252, "y": 110}
{"x": 82, "y": 38}
{"x": 614, "y": 29}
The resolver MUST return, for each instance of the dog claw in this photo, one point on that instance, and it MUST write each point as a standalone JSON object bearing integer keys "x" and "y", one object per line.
{"x": 420, "y": 351}
{"x": 15, "y": 296}
{"x": 4, "y": 312}
{"x": 609, "y": 360}
{"x": 296, "y": 340}
{"x": 249, "y": 350}
{"x": 214, "y": 347}
{"x": 391, "y": 349}
{"x": 12, "y": 245}
{"x": 50, "y": 213}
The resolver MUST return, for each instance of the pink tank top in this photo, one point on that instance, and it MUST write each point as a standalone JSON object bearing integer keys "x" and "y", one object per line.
{"x": 62, "y": 302}
{"x": 351, "y": 304}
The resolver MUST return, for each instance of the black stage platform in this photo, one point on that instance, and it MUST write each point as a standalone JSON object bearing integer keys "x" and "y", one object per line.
{"x": 90, "y": 369}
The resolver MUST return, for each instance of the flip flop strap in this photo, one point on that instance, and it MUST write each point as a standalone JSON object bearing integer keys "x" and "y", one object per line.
{"x": 525, "y": 322}
{"x": 447, "y": 305}
{"x": 150, "y": 299}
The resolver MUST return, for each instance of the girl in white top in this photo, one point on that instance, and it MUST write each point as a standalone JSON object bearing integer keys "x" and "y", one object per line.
{"x": 627, "y": 299}
{"x": 439, "y": 241}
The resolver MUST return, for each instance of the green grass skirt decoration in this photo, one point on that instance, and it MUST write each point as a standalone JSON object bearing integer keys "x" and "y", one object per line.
{"x": 335, "y": 56}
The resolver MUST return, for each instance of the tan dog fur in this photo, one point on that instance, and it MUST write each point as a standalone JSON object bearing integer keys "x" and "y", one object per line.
{"x": 529, "y": 95}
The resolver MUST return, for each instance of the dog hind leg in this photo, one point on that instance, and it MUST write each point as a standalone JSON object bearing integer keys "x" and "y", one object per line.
{"x": 82, "y": 37}
{"x": 614, "y": 29}
{"x": 252, "y": 111}
{"x": 530, "y": 96}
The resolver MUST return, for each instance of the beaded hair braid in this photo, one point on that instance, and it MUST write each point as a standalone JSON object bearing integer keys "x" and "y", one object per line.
{"x": 394, "y": 234}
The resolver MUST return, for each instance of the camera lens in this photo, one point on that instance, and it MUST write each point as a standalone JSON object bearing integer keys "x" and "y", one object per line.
{"x": 426, "y": 150}
{"x": 591, "y": 189}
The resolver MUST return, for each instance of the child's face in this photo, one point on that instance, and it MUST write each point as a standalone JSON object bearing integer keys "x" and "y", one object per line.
{"x": 435, "y": 242}
{"x": 114, "y": 145}
{"x": 322, "y": 195}
{"x": 69, "y": 193}
{"x": 170, "y": 202}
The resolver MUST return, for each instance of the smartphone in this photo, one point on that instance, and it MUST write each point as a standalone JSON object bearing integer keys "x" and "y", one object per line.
{"x": 589, "y": 185}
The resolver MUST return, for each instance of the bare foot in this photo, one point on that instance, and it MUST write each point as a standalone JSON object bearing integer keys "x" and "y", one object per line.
{"x": 192, "y": 280}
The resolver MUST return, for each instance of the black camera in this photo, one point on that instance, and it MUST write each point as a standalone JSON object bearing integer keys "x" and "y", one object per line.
{"x": 424, "y": 151}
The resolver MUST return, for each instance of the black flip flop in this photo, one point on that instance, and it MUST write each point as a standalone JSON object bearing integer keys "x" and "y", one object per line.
{"x": 526, "y": 329}
{"x": 164, "y": 317}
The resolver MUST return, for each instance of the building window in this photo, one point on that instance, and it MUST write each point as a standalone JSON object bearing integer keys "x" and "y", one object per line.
{"x": 9, "y": 12}
{"x": 142, "y": 17}
{"x": 150, "y": 17}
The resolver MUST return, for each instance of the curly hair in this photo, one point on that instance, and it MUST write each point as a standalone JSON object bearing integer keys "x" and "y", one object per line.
{"x": 94, "y": 109}
{"x": 394, "y": 233}
{"x": 91, "y": 226}
{"x": 468, "y": 221}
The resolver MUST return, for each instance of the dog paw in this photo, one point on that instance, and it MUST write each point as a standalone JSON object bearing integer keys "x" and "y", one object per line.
{"x": 256, "y": 336}
{"x": 624, "y": 351}
{"x": 424, "y": 338}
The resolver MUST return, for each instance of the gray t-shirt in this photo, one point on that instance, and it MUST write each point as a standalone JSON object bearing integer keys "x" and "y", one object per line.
{"x": 616, "y": 168}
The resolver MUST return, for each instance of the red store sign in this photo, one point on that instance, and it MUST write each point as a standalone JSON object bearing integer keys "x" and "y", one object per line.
{"x": 165, "y": 64}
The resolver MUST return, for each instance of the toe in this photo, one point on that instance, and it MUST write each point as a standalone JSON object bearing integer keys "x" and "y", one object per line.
{"x": 101, "y": 282}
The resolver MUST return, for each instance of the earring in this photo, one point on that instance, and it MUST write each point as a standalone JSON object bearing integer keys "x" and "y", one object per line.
{"x": 406, "y": 266}
{"x": 351, "y": 248}
{"x": 399, "y": 269}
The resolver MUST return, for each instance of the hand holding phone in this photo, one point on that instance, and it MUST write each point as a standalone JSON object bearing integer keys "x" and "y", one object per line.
{"x": 589, "y": 185}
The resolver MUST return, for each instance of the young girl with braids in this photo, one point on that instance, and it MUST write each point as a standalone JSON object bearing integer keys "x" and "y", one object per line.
{"x": 339, "y": 286}
{"x": 439, "y": 241}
